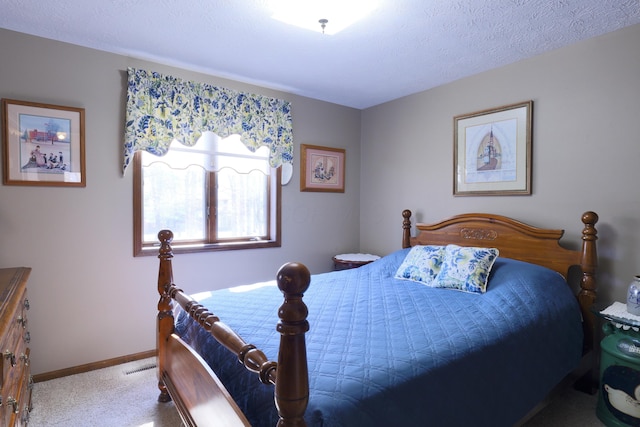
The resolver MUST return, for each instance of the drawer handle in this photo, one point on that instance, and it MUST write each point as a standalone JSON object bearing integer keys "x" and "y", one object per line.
{"x": 26, "y": 415}
{"x": 10, "y": 356}
{"x": 12, "y": 402}
{"x": 22, "y": 321}
{"x": 27, "y": 337}
{"x": 26, "y": 304}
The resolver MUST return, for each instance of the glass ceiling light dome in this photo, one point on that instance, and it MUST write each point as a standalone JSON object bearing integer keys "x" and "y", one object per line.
{"x": 337, "y": 15}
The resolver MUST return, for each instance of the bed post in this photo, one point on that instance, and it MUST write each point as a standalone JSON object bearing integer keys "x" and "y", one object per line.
{"x": 588, "y": 293}
{"x": 406, "y": 229}
{"x": 292, "y": 383}
{"x": 165, "y": 319}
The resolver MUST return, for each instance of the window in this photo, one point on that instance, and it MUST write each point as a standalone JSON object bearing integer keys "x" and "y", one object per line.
{"x": 216, "y": 195}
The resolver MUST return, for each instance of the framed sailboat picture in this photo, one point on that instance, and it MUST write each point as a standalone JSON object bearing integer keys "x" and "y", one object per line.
{"x": 492, "y": 151}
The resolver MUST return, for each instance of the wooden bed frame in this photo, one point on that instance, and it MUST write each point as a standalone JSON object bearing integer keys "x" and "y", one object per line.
{"x": 202, "y": 400}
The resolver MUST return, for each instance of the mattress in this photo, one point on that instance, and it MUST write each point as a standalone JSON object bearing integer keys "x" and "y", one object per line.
{"x": 383, "y": 351}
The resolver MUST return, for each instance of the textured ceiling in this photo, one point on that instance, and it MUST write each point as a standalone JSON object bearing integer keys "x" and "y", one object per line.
{"x": 403, "y": 47}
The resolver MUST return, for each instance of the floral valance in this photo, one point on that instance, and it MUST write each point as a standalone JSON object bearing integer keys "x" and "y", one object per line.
{"x": 163, "y": 108}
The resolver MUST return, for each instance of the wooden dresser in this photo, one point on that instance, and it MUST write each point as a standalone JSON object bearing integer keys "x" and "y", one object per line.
{"x": 15, "y": 375}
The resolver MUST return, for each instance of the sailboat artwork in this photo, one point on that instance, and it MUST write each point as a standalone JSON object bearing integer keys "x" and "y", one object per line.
{"x": 489, "y": 153}
{"x": 492, "y": 151}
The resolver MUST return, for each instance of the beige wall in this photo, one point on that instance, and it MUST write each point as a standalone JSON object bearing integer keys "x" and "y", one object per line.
{"x": 586, "y": 151}
{"x": 91, "y": 300}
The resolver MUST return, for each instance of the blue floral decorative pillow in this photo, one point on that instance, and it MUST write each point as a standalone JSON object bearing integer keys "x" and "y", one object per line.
{"x": 466, "y": 268}
{"x": 422, "y": 264}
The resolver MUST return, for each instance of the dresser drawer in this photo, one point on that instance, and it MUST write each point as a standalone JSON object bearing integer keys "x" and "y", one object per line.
{"x": 15, "y": 369}
{"x": 21, "y": 410}
{"x": 15, "y": 339}
{"x": 16, "y": 397}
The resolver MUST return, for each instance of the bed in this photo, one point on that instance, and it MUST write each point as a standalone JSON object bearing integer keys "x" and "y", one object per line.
{"x": 382, "y": 344}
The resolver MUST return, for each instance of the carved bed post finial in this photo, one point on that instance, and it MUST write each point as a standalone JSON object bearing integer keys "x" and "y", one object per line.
{"x": 406, "y": 229}
{"x": 588, "y": 291}
{"x": 292, "y": 384}
{"x": 165, "y": 319}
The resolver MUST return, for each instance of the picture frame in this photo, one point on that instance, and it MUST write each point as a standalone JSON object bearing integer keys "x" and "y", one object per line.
{"x": 322, "y": 169}
{"x": 492, "y": 151}
{"x": 43, "y": 144}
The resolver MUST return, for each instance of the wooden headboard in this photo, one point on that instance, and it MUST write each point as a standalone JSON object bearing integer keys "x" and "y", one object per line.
{"x": 523, "y": 242}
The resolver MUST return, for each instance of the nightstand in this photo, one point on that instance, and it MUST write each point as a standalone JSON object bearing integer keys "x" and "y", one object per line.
{"x": 348, "y": 261}
{"x": 619, "y": 397}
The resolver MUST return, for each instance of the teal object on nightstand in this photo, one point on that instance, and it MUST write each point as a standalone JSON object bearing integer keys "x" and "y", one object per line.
{"x": 619, "y": 397}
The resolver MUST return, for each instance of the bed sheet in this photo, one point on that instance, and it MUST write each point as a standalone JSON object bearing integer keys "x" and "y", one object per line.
{"x": 386, "y": 352}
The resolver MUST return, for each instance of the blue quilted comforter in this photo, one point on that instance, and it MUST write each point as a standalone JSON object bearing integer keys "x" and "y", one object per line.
{"x": 386, "y": 352}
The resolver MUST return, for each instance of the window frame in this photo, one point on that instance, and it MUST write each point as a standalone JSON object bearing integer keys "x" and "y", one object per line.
{"x": 273, "y": 228}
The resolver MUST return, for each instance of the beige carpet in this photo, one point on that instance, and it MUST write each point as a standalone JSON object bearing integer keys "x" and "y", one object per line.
{"x": 570, "y": 409}
{"x": 120, "y": 396}
{"x": 126, "y": 396}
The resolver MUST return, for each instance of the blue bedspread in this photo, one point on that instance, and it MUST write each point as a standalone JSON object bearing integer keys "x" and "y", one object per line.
{"x": 386, "y": 352}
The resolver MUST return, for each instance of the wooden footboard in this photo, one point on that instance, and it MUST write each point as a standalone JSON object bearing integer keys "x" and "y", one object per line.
{"x": 184, "y": 376}
{"x": 199, "y": 396}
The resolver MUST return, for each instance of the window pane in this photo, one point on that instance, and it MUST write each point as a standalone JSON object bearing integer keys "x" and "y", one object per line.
{"x": 174, "y": 199}
{"x": 242, "y": 204}
{"x": 175, "y": 193}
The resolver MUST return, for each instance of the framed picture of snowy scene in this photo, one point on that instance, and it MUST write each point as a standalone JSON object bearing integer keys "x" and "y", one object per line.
{"x": 43, "y": 144}
{"x": 492, "y": 151}
{"x": 322, "y": 169}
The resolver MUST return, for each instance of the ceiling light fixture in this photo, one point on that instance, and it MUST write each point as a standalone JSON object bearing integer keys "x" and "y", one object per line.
{"x": 323, "y": 23}
{"x": 304, "y": 14}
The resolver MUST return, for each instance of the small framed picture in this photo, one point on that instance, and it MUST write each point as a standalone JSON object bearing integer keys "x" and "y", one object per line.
{"x": 322, "y": 169}
{"x": 43, "y": 145}
{"x": 492, "y": 151}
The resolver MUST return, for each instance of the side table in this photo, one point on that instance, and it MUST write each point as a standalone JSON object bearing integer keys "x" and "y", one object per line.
{"x": 348, "y": 261}
{"x": 619, "y": 397}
